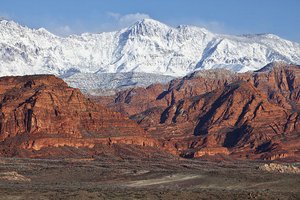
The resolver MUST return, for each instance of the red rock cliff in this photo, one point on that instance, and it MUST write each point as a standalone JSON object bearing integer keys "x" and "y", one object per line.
{"x": 251, "y": 115}
{"x": 40, "y": 112}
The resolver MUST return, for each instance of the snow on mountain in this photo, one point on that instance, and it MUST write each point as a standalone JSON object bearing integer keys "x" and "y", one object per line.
{"x": 147, "y": 46}
{"x": 139, "y": 55}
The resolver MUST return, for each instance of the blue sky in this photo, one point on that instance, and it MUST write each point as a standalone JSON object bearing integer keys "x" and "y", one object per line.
{"x": 65, "y": 17}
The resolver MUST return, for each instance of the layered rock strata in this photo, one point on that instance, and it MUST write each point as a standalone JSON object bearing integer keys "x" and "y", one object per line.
{"x": 41, "y": 111}
{"x": 249, "y": 115}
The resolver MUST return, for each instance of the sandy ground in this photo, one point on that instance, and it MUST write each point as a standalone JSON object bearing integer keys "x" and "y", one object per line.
{"x": 108, "y": 178}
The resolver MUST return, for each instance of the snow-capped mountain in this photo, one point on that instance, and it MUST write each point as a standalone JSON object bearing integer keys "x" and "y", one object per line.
{"x": 147, "y": 46}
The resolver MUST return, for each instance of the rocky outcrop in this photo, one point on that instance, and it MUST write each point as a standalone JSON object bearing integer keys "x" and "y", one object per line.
{"x": 280, "y": 168}
{"x": 250, "y": 115}
{"x": 41, "y": 111}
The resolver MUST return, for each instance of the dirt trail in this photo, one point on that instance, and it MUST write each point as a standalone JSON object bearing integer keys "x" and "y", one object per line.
{"x": 163, "y": 180}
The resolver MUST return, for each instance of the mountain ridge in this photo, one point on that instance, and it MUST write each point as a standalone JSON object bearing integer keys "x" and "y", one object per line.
{"x": 147, "y": 46}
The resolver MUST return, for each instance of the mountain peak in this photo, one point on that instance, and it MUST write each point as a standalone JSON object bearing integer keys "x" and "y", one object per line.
{"x": 44, "y": 32}
{"x": 148, "y": 26}
{"x": 150, "y": 22}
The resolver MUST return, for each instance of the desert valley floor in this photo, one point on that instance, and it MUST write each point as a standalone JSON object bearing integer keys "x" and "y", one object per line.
{"x": 131, "y": 178}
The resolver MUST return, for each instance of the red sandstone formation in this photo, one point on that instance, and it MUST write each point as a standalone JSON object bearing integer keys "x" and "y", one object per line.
{"x": 41, "y": 112}
{"x": 247, "y": 116}
{"x": 251, "y": 115}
